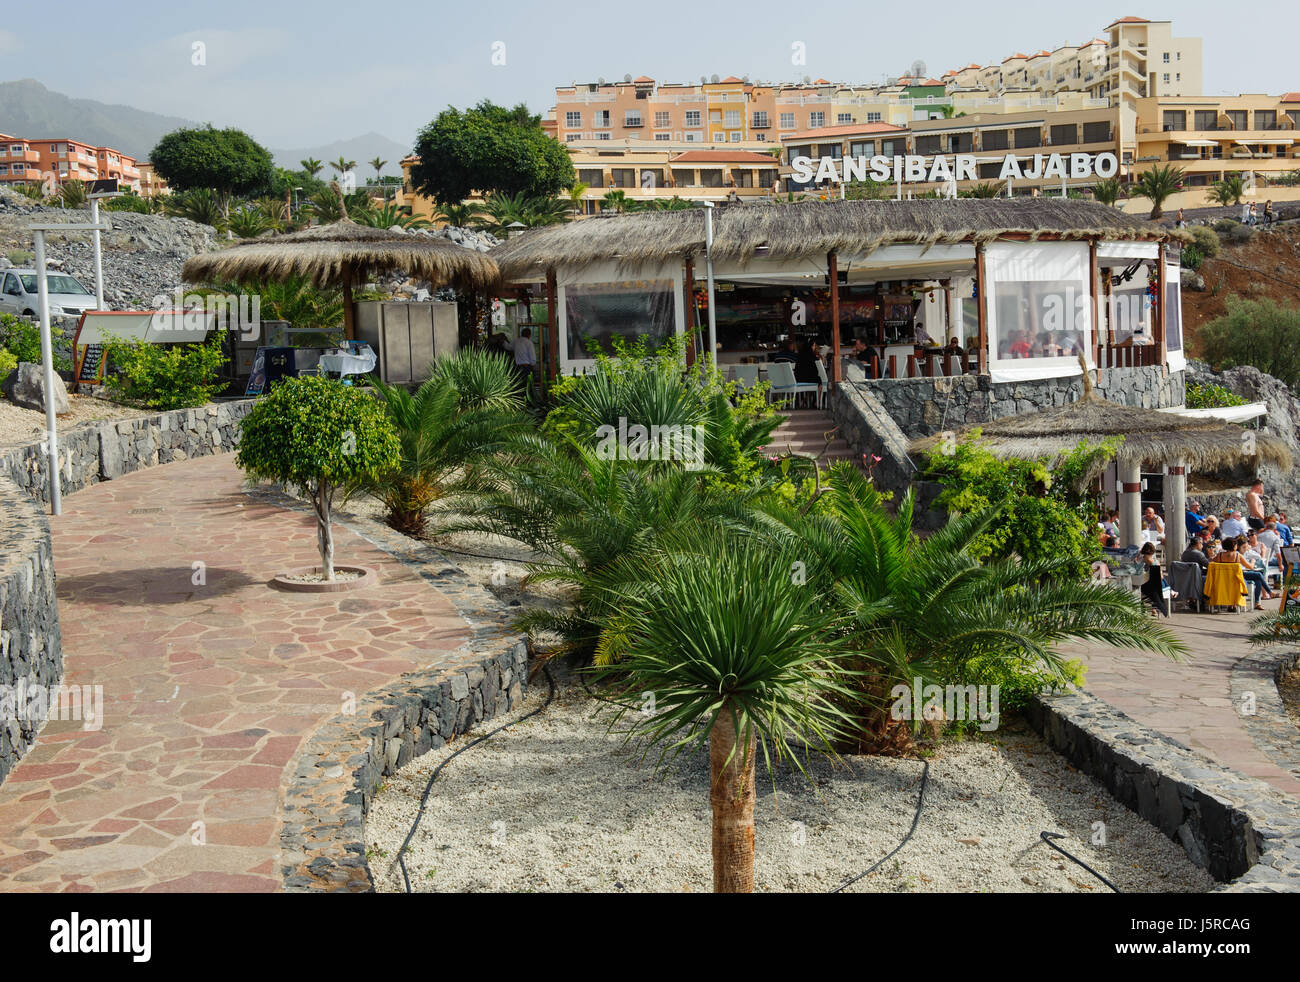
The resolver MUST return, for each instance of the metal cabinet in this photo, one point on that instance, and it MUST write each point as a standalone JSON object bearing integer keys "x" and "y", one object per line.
{"x": 406, "y": 337}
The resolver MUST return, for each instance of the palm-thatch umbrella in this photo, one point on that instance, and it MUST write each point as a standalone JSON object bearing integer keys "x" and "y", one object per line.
{"x": 344, "y": 253}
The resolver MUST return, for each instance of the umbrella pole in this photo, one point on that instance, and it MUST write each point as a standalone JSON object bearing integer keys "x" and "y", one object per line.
{"x": 349, "y": 316}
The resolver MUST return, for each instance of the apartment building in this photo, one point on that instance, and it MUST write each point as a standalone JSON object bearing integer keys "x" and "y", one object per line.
{"x": 1210, "y": 137}
{"x": 62, "y": 160}
{"x": 151, "y": 182}
{"x": 989, "y": 137}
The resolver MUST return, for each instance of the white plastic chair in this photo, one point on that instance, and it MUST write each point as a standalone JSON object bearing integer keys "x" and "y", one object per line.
{"x": 745, "y": 376}
{"x": 781, "y": 375}
{"x": 825, "y": 386}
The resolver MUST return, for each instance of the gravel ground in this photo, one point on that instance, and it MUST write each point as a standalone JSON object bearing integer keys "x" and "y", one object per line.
{"x": 558, "y": 804}
{"x": 19, "y": 425}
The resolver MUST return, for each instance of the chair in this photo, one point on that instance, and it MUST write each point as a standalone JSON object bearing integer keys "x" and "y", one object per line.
{"x": 826, "y": 384}
{"x": 1187, "y": 580}
{"x": 746, "y": 376}
{"x": 781, "y": 375}
{"x": 1224, "y": 586}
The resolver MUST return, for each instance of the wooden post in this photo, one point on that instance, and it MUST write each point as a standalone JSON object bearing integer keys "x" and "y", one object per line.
{"x": 981, "y": 301}
{"x": 1096, "y": 309}
{"x": 349, "y": 315}
{"x": 688, "y": 310}
{"x": 1160, "y": 305}
{"x": 552, "y": 328}
{"x": 833, "y": 271}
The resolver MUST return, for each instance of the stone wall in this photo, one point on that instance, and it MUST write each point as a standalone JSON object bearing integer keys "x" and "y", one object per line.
{"x": 30, "y": 640}
{"x": 30, "y": 649}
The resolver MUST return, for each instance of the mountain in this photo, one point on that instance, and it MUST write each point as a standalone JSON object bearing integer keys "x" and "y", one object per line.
{"x": 29, "y": 109}
{"x": 359, "y": 148}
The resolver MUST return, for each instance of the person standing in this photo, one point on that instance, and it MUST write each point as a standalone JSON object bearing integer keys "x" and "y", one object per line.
{"x": 1179, "y": 223}
{"x": 1269, "y": 217}
{"x": 526, "y": 358}
{"x": 1255, "y": 506}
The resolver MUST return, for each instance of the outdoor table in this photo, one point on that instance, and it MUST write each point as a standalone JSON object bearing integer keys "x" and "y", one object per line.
{"x": 360, "y": 361}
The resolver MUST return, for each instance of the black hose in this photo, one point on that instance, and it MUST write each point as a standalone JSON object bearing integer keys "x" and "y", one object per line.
{"x": 916, "y": 819}
{"x": 428, "y": 788}
{"x": 1049, "y": 836}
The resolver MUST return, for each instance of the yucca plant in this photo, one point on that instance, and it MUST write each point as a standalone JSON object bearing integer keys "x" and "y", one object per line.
{"x": 30, "y": 189}
{"x": 69, "y": 194}
{"x": 482, "y": 379}
{"x": 739, "y": 654}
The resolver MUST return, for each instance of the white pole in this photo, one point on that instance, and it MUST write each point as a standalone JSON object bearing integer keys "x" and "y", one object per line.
{"x": 99, "y": 256}
{"x": 708, "y": 253}
{"x": 47, "y": 359}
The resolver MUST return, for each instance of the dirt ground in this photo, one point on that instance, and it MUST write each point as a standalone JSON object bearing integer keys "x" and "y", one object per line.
{"x": 1267, "y": 267}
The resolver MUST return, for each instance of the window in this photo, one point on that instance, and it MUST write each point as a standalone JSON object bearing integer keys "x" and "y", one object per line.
{"x": 662, "y": 119}
{"x": 767, "y": 178}
{"x": 632, "y": 117}
{"x": 833, "y": 150}
{"x": 4, "y": 168}
{"x": 760, "y": 137}
{"x": 20, "y": 168}
{"x": 692, "y": 117}
{"x": 719, "y": 136}
{"x": 17, "y": 148}
{"x": 602, "y": 136}
{"x": 733, "y": 118}
{"x": 1165, "y": 78}
{"x": 1265, "y": 119}
{"x": 572, "y": 137}
{"x": 602, "y": 118}
{"x": 1238, "y": 117}
{"x": 735, "y": 136}
{"x": 663, "y": 136}
{"x": 760, "y": 120}
{"x": 1165, "y": 57}
{"x": 873, "y": 117}
{"x": 622, "y": 177}
{"x": 843, "y": 119}
{"x": 1175, "y": 120}
{"x": 1028, "y": 137}
{"x": 1064, "y": 136}
{"x": 715, "y": 116}
{"x": 694, "y": 137}
{"x": 816, "y": 120}
{"x": 787, "y": 121}
{"x": 994, "y": 140}
{"x": 597, "y": 312}
{"x": 572, "y": 119}
{"x": 862, "y": 148}
{"x": 1096, "y": 132}
{"x": 893, "y": 148}
{"x": 927, "y": 144}
{"x": 710, "y": 178}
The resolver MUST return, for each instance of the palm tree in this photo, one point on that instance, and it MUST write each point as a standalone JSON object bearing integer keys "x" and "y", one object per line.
{"x": 461, "y": 215}
{"x": 499, "y": 211}
{"x": 378, "y": 165}
{"x": 1158, "y": 184}
{"x": 198, "y": 205}
{"x": 738, "y": 652}
{"x": 312, "y": 166}
{"x": 443, "y": 434}
{"x": 1228, "y": 191}
{"x": 616, "y": 201}
{"x": 575, "y": 196}
{"x": 984, "y": 189}
{"x": 343, "y": 165}
{"x": 249, "y": 222}
{"x": 928, "y": 609}
{"x": 386, "y": 216}
{"x": 1108, "y": 191}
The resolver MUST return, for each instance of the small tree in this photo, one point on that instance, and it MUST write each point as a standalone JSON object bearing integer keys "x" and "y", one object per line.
{"x": 317, "y": 435}
{"x": 229, "y": 161}
{"x": 1157, "y": 185}
{"x": 1108, "y": 191}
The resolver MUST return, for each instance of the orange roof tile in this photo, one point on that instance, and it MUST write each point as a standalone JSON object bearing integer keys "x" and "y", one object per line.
{"x": 1291, "y": 96}
{"x": 643, "y": 78}
{"x": 1129, "y": 20}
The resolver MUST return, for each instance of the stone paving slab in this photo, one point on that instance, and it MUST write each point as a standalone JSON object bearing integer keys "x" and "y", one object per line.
{"x": 212, "y": 682}
{"x": 1190, "y": 702}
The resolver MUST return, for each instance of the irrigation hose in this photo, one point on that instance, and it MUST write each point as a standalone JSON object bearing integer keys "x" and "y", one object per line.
{"x": 1049, "y": 836}
{"x": 428, "y": 788}
{"x": 550, "y": 696}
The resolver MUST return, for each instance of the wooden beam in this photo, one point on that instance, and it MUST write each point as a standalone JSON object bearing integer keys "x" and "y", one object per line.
{"x": 552, "y": 328}
{"x": 349, "y": 314}
{"x": 1160, "y": 305}
{"x": 981, "y": 301}
{"x": 833, "y": 271}
{"x": 1093, "y": 286}
{"x": 688, "y": 310}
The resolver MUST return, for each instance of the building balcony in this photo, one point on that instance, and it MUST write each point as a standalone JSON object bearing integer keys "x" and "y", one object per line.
{"x": 20, "y": 156}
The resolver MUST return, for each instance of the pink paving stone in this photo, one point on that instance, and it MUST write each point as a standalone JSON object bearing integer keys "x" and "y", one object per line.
{"x": 182, "y": 666}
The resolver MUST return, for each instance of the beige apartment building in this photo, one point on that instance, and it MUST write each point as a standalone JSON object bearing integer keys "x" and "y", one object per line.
{"x": 989, "y": 137}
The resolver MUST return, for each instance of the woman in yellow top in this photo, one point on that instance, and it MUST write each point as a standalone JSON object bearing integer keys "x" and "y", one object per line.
{"x": 1231, "y": 554}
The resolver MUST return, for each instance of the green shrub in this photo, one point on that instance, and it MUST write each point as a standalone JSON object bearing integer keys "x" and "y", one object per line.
{"x": 22, "y": 339}
{"x": 1257, "y": 332}
{"x": 1211, "y": 396}
{"x": 178, "y": 376}
{"x": 1205, "y": 241}
{"x": 1233, "y": 233}
{"x": 8, "y": 362}
{"x": 21, "y": 257}
{"x": 1192, "y": 257}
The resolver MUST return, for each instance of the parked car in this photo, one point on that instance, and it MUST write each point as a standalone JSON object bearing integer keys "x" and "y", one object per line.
{"x": 67, "y": 296}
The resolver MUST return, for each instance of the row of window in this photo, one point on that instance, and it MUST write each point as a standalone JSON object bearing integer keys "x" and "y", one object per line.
{"x": 1058, "y": 136}
{"x": 731, "y": 118}
{"x": 655, "y": 177}
{"x": 1208, "y": 119}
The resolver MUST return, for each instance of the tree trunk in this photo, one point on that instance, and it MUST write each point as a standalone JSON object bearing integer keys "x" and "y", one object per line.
{"x": 323, "y": 501}
{"x": 731, "y": 793}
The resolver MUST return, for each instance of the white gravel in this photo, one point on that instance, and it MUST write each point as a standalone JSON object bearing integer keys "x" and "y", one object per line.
{"x": 20, "y": 425}
{"x": 558, "y": 804}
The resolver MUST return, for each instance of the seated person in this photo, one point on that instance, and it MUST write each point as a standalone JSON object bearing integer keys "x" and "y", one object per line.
{"x": 1152, "y": 522}
{"x": 1232, "y": 554}
{"x": 1019, "y": 346}
{"x": 1234, "y": 525}
{"x": 1269, "y": 538}
{"x": 1194, "y": 520}
{"x": 789, "y": 352}
{"x": 1049, "y": 346}
{"x": 1212, "y": 529}
{"x": 805, "y": 365}
{"x": 1111, "y": 522}
{"x": 1153, "y": 589}
{"x": 1283, "y": 529}
{"x": 1195, "y": 553}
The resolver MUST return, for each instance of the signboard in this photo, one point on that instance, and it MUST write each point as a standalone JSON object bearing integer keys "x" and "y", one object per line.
{"x": 97, "y": 328}
{"x": 915, "y": 169}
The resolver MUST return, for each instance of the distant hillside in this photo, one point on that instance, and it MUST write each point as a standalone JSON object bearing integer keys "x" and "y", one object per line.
{"x": 360, "y": 148}
{"x": 29, "y": 109}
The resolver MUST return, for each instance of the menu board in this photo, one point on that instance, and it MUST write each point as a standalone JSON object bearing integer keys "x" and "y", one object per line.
{"x": 91, "y": 368}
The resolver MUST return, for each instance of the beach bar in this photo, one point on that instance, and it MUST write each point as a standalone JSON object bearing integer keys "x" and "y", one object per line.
{"x": 1011, "y": 289}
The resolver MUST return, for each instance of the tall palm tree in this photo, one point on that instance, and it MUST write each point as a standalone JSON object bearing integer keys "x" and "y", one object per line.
{"x": 575, "y": 196}
{"x": 343, "y": 165}
{"x": 1108, "y": 191}
{"x": 738, "y": 653}
{"x": 1157, "y": 185}
{"x": 1228, "y": 191}
{"x": 378, "y": 164}
{"x": 312, "y": 166}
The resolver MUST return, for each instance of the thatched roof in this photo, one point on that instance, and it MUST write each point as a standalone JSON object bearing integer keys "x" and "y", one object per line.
{"x": 812, "y": 229}
{"x": 321, "y": 253}
{"x": 1149, "y": 436}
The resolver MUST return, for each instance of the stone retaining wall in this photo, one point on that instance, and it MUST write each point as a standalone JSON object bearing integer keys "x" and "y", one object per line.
{"x": 1238, "y": 828}
{"x": 30, "y": 640}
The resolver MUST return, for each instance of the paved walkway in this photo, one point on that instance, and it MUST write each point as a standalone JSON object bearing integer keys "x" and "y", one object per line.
{"x": 1189, "y": 701}
{"x": 211, "y": 684}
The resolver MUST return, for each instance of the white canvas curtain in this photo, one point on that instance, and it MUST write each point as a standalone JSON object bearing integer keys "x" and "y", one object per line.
{"x": 1175, "y": 357}
{"x": 597, "y": 303}
{"x": 1039, "y": 309}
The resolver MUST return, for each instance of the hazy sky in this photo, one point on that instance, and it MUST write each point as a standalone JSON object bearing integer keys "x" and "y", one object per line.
{"x": 297, "y": 74}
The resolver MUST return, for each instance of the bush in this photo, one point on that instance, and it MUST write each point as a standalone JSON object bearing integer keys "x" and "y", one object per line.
{"x": 1205, "y": 241}
{"x": 1192, "y": 257}
{"x": 1211, "y": 396}
{"x": 178, "y": 376}
{"x": 21, "y": 257}
{"x": 8, "y": 362}
{"x": 1256, "y": 332}
{"x": 22, "y": 339}
{"x": 1233, "y": 233}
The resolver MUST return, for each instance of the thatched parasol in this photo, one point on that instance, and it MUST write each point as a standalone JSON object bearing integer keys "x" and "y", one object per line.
{"x": 344, "y": 253}
{"x": 811, "y": 229}
{"x": 1149, "y": 436}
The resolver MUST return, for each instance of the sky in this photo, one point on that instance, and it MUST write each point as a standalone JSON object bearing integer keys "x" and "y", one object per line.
{"x": 301, "y": 74}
